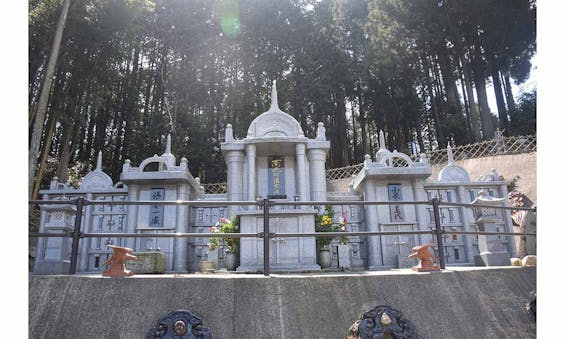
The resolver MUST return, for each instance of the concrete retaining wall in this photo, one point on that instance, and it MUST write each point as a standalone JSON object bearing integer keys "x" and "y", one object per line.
{"x": 454, "y": 303}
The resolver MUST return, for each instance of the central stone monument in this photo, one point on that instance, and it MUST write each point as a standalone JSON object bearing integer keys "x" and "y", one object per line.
{"x": 278, "y": 162}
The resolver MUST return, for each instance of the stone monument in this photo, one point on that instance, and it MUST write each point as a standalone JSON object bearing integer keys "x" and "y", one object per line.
{"x": 493, "y": 249}
{"x": 276, "y": 161}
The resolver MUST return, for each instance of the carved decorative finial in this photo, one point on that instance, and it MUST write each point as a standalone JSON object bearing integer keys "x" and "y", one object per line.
{"x": 449, "y": 155}
{"x": 168, "y": 146}
{"x": 229, "y": 133}
{"x": 99, "y": 161}
{"x": 385, "y": 319}
{"x": 274, "y": 99}
{"x": 382, "y": 144}
{"x": 321, "y": 133}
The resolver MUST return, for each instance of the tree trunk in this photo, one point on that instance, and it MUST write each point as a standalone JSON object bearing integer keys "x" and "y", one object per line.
{"x": 475, "y": 126}
{"x": 43, "y": 161}
{"x": 508, "y": 92}
{"x": 42, "y": 103}
{"x": 429, "y": 86}
{"x": 488, "y": 130}
{"x": 65, "y": 155}
{"x": 500, "y": 104}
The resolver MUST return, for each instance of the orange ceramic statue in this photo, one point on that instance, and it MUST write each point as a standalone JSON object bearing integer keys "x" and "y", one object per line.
{"x": 426, "y": 258}
{"x": 117, "y": 262}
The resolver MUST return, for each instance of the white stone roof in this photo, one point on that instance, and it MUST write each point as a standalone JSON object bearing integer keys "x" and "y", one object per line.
{"x": 274, "y": 122}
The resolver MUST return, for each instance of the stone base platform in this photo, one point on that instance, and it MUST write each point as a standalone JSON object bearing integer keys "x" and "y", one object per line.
{"x": 459, "y": 302}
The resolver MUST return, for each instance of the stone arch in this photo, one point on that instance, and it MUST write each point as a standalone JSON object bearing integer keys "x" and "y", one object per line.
{"x": 148, "y": 161}
{"x": 396, "y": 159}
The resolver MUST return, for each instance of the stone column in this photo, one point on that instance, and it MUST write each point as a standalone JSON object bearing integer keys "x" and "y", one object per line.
{"x": 317, "y": 159}
{"x": 181, "y": 244}
{"x": 374, "y": 251}
{"x": 85, "y": 242}
{"x": 251, "y": 171}
{"x": 464, "y": 199}
{"x": 234, "y": 161}
{"x": 133, "y": 195}
{"x": 420, "y": 195}
{"x": 301, "y": 172}
{"x": 508, "y": 221}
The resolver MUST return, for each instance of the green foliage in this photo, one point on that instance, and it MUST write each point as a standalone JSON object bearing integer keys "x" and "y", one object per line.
{"x": 130, "y": 72}
{"x": 225, "y": 226}
{"x": 524, "y": 117}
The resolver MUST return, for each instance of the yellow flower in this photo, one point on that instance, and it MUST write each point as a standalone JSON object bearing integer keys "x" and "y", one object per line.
{"x": 326, "y": 220}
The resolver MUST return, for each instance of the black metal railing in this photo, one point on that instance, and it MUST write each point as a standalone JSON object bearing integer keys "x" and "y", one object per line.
{"x": 265, "y": 205}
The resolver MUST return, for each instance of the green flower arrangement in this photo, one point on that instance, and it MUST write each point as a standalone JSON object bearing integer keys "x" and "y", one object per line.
{"x": 325, "y": 223}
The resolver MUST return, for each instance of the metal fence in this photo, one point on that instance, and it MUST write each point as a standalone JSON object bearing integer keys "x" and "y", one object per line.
{"x": 438, "y": 232}
{"x": 498, "y": 146}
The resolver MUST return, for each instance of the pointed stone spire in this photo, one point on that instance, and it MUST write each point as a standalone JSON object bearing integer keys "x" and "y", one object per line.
{"x": 99, "y": 162}
{"x": 168, "y": 146}
{"x": 449, "y": 155}
{"x": 382, "y": 144}
{"x": 229, "y": 133}
{"x": 274, "y": 99}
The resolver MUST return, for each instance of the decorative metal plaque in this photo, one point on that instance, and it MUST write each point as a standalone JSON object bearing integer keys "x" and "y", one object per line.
{"x": 180, "y": 324}
{"x": 382, "y": 322}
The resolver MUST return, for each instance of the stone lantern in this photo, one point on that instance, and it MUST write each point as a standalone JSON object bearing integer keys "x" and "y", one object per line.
{"x": 55, "y": 257}
{"x": 493, "y": 250}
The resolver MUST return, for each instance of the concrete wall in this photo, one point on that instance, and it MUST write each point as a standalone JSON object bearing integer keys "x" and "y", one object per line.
{"x": 454, "y": 303}
{"x": 509, "y": 166}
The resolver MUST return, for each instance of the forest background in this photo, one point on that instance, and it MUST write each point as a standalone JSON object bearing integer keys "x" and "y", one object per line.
{"x": 131, "y": 71}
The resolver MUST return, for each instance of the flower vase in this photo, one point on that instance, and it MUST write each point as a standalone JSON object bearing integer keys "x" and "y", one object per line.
{"x": 206, "y": 266}
{"x": 231, "y": 260}
{"x": 325, "y": 258}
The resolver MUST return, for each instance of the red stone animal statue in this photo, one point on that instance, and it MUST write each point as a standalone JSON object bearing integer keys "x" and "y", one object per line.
{"x": 117, "y": 262}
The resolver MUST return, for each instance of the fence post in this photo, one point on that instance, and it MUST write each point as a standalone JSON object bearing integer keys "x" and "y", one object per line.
{"x": 438, "y": 232}
{"x": 76, "y": 235}
{"x": 266, "y": 238}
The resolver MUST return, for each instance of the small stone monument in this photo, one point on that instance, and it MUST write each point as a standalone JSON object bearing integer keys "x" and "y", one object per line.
{"x": 117, "y": 262}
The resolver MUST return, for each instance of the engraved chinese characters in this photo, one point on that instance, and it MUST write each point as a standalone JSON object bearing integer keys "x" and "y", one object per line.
{"x": 156, "y": 211}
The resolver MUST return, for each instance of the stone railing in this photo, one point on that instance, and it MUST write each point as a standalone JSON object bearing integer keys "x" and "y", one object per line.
{"x": 497, "y": 146}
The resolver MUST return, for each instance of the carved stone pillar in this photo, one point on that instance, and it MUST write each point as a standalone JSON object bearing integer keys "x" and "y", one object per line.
{"x": 374, "y": 252}
{"x": 301, "y": 169}
{"x": 508, "y": 221}
{"x": 420, "y": 195}
{"x": 464, "y": 199}
{"x": 85, "y": 242}
{"x": 181, "y": 244}
{"x": 133, "y": 195}
{"x": 251, "y": 172}
{"x": 234, "y": 161}
{"x": 317, "y": 159}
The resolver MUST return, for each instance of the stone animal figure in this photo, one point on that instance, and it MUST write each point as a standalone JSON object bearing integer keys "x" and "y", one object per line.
{"x": 117, "y": 262}
{"x": 426, "y": 264}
